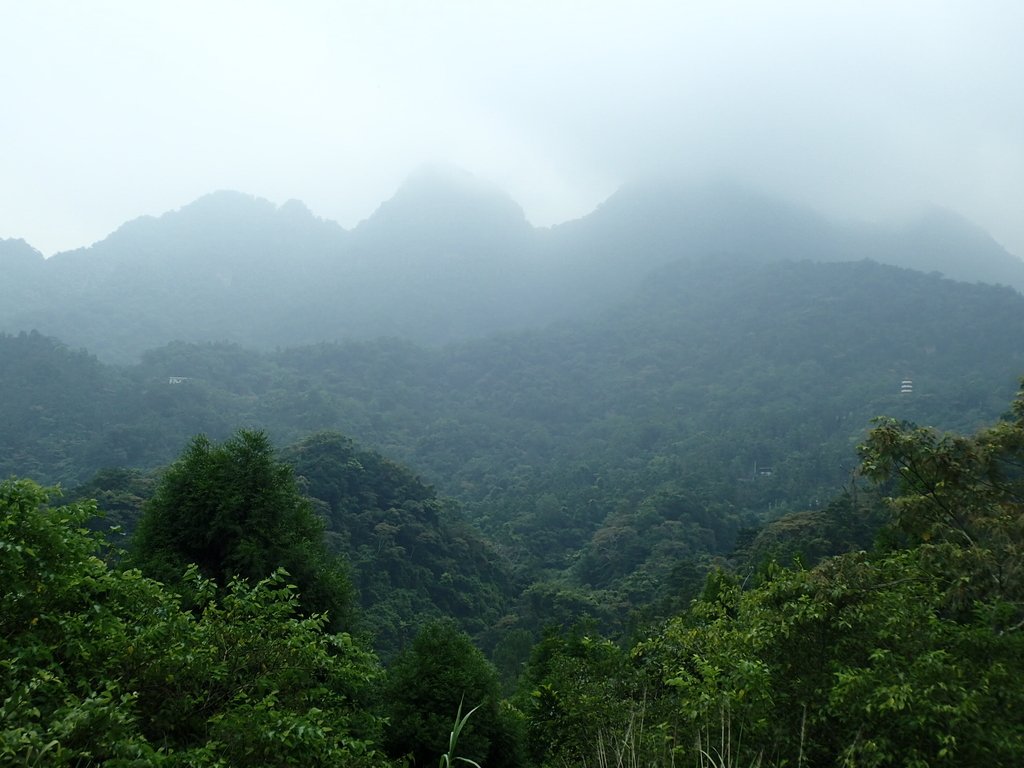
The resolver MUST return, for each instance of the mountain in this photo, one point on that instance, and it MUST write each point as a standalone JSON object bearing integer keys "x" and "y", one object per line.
{"x": 23, "y": 283}
{"x": 19, "y": 257}
{"x": 942, "y": 241}
{"x": 443, "y": 211}
{"x": 228, "y": 262}
{"x": 646, "y": 225}
{"x": 448, "y": 258}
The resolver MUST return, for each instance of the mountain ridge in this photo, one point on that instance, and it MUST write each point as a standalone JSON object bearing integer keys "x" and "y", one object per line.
{"x": 448, "y": 257}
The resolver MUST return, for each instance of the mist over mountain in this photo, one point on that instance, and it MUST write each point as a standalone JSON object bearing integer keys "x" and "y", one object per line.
{"x": 943, "y": 241}
{"x": 23, "y": 269}
{"x": 18, "y": 253}
{"x": 448, "y": 208}
{"x": 448, "y": 257}
{"x": 644, "y": 225}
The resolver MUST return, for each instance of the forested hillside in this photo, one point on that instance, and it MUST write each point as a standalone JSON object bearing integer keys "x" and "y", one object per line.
{"x": 907, "y": 653}
{"x": 602, "y": 454}
{"x": 610, "y": 471}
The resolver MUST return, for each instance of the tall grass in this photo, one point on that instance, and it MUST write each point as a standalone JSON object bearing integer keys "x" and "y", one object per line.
{"x": 714, "y": 746}
{"x": 449, "y": 757}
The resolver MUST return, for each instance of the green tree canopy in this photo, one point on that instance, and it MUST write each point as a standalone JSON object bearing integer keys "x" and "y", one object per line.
{"x": 851, "y": 663}
{"x": 233, "y": 510}
{"x": 441, "y": 671}
{"x": 961, "y": 497}
{"x": 909, "y": 655}
{"x": 106, "y": 667}
{"x": 413, "y": 555}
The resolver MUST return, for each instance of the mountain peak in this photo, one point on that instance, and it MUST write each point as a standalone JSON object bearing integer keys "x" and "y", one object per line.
{"x": 225, "y": 203}
{"x": 943, "y": 240}
{"x": 17, "y": 251}
{"x": 446, "y": 202}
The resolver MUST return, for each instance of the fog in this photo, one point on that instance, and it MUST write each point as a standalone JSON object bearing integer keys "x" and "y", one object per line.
{"x": 859, "y": 109}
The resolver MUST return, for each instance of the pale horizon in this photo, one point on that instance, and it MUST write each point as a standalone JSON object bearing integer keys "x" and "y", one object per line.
{"x": 858, "y": 110}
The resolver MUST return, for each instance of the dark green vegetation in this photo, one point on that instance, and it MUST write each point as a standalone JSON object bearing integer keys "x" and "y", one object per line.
{"x": 610, "y": 460}
{"x": 233, "y": 511}
{"x": 103, "y": 666}
{"x": 437, "y": 675}
{"x": 909, "y": 654}
{"x": 412, "y": 554}
{"x": 904, "y": 655}
{"x": 645, "y": 525}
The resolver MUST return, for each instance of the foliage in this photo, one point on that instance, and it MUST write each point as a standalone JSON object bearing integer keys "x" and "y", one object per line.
{"x": 53, "y": 402}
{"x": 907, "y": 656}
{"x": 852, "y": 662}
{"x": 583, "y": 701}
{"x": 720, "y": 395}
{"x": 235, "y": 511}
{"x": 612, "y": 459}
{"x": 615, "y": 460}
{"x": 120, "y": 495}
{"x": 440, "y": 671}
{"x": 848, "y": 523}
{"x": 102, "y": 666}
{"x": 413, "y": 555}
{"x": 964, "y": 497}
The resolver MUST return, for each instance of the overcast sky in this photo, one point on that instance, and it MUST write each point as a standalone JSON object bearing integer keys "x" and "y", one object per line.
{"x": 111, "y": 110}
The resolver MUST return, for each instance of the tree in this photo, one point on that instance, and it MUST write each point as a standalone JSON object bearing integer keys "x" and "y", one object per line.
{"x": 584, "y": 702}
{"x": 234, "y": 510}
{"x": 910, "y": 655}
{"x": 850, "y": 663}
{"x": 961, "y": 498}
{"x": 106, "y": 667}
{"x": 411, "y": 552}
{"x": 441, "y": 671}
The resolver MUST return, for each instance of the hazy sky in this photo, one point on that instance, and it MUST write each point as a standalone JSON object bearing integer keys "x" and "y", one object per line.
{"x": 111, "y": 110}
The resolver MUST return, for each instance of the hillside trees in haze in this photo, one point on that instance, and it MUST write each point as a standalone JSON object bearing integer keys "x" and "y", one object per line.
{"x": 412, "y": 555}
{"x": 448, "y": 258}
{"x": 722, "y": 395}
{"x": 53, "y": 399}
{"x": 908, "y": 653}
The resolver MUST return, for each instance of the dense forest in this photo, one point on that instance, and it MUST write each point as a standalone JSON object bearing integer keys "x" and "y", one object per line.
{"x": 615, "y": 492}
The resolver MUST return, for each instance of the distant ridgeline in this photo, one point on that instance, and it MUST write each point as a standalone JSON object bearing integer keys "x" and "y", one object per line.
{"x": 447, "y": 258}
